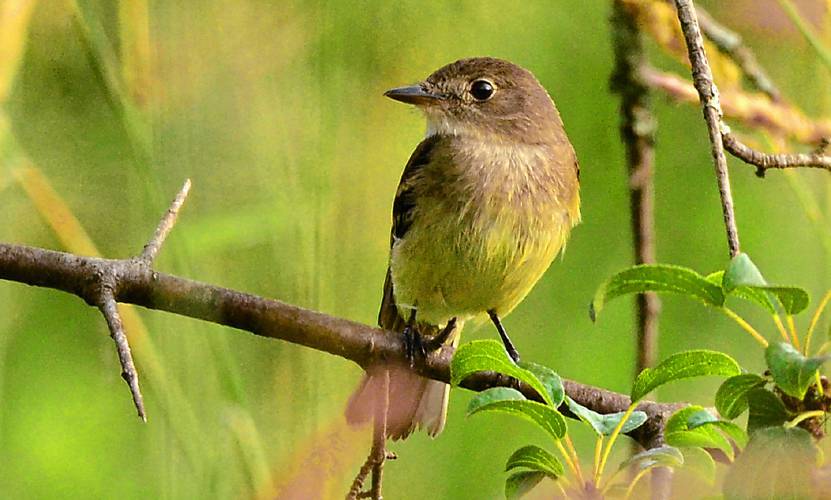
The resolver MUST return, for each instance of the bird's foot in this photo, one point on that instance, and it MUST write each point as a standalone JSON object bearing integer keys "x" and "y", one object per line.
{"x": 436, "y": 342}
{"x": 413, "y": 343}
{"x": 512, "y": 352}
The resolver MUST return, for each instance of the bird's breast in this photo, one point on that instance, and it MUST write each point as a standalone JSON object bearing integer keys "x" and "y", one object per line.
{"x": 484, "y": 233}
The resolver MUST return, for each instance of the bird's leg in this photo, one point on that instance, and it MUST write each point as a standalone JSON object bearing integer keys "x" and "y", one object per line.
{"x": 412, "y": 340}
{"x": 509, "y": 346}
{"x": 441, "y": 337}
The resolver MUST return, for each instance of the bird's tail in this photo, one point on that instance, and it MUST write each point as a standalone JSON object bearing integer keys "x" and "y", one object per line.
{"x": 414, "y": 401}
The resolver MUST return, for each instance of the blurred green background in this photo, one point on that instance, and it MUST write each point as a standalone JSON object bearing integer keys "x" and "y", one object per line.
{"x": 274, "y": 110}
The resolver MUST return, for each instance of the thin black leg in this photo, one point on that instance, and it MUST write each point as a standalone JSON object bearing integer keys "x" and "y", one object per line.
{"x": 509, "y": 346}
{"x": 440, "y": 338}
{"x": 412, "y": 340}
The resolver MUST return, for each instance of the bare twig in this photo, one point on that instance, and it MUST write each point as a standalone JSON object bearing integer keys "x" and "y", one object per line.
{"x": 765, "y": 161}
{"x": 358, "y": 483}
{"x": 151, "y": 249}
{"x": 730, "y": 43}
{"x": 708, "y": 94}
{"x": 136, "y": 283}
{"x": 379, "y": 436}
{"x": 108, "y": 308}
{"x": 378, "y": 454}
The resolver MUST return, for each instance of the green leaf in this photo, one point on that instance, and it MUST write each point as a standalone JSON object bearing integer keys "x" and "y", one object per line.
{"x": 535, "y": 458}
{"x": 701, "y": 463}
{"x": 549, "y": 378}
{"x": 657, "y": 278}
{"x": 794, "y": 300}
{"x": 682, "y": 365}
{"x": 490, "y": 355}
{"x": 792, "y": 371}
{"x": 679, "y": 432}
{"x": 743, "y": 279}
{"x": 760, "y": 297}
{"x": 520, "y": 483}
{"x": 741, "y": 272}
{"x": 512, "y": 402}
{"x": 731, "y": 397}
{"x": 777, "y": 463}
{"x": 704, "y": 417}
{"x": 663, "y": 456}
{"x": 766, "y": 410}
{"x": 604, "y": 425}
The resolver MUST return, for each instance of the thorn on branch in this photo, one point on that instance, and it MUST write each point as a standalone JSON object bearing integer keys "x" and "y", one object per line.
{"x": 151, "y": 249}
{"x": 103, "y": 295}
{"x": 109, "y": 309}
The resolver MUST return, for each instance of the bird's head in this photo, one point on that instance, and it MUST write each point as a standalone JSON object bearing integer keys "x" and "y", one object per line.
{"x": 484, "y": 96}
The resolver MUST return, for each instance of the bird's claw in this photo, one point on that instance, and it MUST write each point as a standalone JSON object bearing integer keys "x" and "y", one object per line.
{"x": 413, "y": 343}
{"x": 436, "y": 342}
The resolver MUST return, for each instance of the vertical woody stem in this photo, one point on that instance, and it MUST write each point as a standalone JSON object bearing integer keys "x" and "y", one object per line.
{"x": 708, "y": 95}
{"x": 637, "y": 129}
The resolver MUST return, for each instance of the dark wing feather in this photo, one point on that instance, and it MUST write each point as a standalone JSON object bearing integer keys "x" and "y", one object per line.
{"x": 403, "y": 211}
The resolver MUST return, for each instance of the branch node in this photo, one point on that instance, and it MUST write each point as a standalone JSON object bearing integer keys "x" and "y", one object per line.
{"x": 151, "y": 249}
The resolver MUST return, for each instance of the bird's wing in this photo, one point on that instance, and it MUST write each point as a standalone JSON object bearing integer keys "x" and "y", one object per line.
{"x": 403, "y": 212}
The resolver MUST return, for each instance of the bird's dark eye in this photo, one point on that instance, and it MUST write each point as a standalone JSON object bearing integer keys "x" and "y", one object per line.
{"x": 481, "y": 90}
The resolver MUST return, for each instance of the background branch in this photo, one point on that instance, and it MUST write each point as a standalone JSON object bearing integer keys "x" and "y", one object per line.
{"x": 637, "y": 129}
{"x": 753, "y": 110}
{"x": 136, "y": 283}
{"x": 730, "y": 43}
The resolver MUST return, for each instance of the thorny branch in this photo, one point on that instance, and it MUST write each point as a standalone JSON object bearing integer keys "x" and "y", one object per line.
{"x": 132, "y": 281}
{"x": 101, "y": 294}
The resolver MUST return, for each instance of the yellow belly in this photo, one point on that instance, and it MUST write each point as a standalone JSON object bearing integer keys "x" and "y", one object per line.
{"x": 447, "y": 266}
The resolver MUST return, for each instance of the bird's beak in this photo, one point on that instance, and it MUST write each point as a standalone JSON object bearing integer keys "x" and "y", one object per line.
{"x": 414, "y": 94}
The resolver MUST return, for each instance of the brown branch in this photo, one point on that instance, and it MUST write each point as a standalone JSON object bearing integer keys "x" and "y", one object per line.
{"x": 135, "y": 283}
{"x": 708, "y": 94}
{"x": 766, "y": 161}
{"x": 730, "y": 43}
{"x": 637, "y": 129}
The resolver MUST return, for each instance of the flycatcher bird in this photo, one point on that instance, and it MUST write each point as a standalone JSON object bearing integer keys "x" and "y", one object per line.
{"x": 485, "y": 203}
